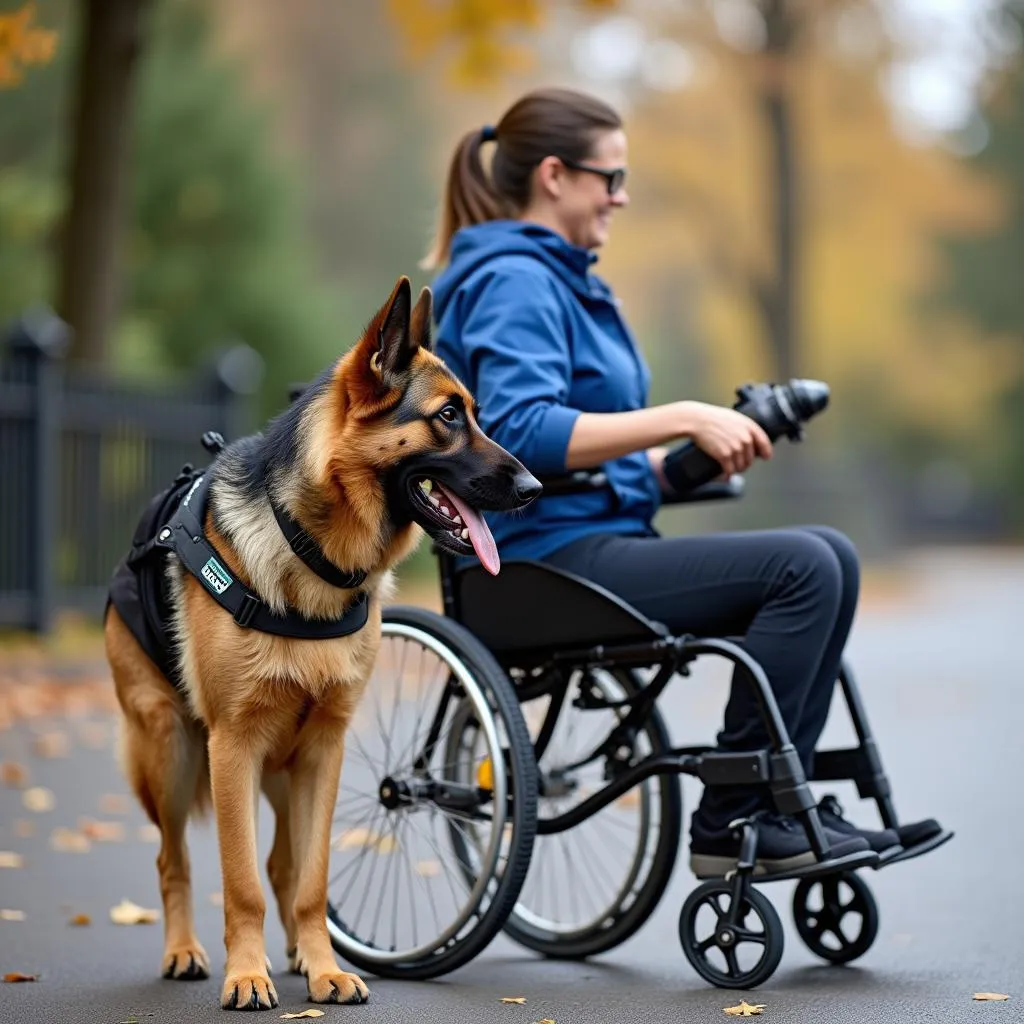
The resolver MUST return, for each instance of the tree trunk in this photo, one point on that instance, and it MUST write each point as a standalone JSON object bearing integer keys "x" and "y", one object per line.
{"x": 779, "y": 302}
{"x": 89, "y": 284}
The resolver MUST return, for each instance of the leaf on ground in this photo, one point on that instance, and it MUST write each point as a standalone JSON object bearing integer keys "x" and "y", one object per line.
{"x": 23, "y": 828}
{"x": 990, "y": 997}
{"x": 518, "y": 1000}
{"x": 546, "y": 1020}
{"x": 304, "y": 1013}
{"x": 127, "y": 912}
{"x": 9, "y": 859}
{"x": 148, "y": 834}
{"x": 629, "y": 799}
{"x": 115, "y": 803}
{"x": 14, "y": 977}
{"x": 217, "y": 899}
{"x": 428, "y": 868}
{"x": 356, "y": 837}
{"x": 13, "y": 774}
{"x": 102, "y": 831}
{"x": 52, "y": 744}
{"x": 68, "y": 840}
{"x": 745, "y": 1009}
{"x": 38, "y": 799}
{"x": 94, "y": 735}
{"x": 80, "y": 921}
{"x": 12, "y": 915}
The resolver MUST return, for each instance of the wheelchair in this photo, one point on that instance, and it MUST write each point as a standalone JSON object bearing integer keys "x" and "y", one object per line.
{"x": 492, "y": 736}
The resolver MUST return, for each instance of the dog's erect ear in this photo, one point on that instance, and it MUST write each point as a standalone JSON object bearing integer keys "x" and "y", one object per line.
{"x": 392, "y": 347}
{"x": 421, "y": 327}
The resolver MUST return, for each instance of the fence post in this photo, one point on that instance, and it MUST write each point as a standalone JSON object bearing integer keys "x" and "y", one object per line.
{"x": 237, "y": 375}
{"x": 40, "y": 340}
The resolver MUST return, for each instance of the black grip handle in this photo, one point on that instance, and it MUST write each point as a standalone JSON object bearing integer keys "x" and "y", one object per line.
{"x": 688, "y": 467}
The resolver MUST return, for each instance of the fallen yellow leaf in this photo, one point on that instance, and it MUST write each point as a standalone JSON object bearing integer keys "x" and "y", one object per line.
{"x": 80, "y": 920}
{"x": 149, "y": 833}
{"x": 355, "y": 837}
{"x": 519, "y": 1000}
{"x": 305, "y": 1013}
{"x": 67, "y": 840}
{"x": 102, "y": 831}
{"x": 428, "y": 868}
{"x": 546, "y": 1020}
{"x": 52, "y": 744}
{"x": 745, "y": 1009}
{"x": 127, "y": 912}
{"x": 217, "y": 899}
{"x": 23, "y": 828}
{"x": 990, "y": 997}
{"x": 38, "y": 799}
{"x": 115, "y": 803}
{"x": 13, "y": 774}
{"x": 12, "y": 915}
{"x": 11, "y": 860}
{"x": 16, "y": 976}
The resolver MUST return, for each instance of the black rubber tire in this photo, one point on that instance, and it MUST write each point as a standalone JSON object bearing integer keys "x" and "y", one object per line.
{"x": 522, "y": 778}
{"x": 614, "y": 930}
{"x": 812, "y": 925}
{"x": 773, "y": 937}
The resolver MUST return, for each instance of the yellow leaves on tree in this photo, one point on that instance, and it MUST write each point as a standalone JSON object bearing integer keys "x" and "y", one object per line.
{"x": 22, "y": 44}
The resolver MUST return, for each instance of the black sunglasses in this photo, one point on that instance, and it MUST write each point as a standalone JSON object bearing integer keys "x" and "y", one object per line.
{"x": 615, "y": 178}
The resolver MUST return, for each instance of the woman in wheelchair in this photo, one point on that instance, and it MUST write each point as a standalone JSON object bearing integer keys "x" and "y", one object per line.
{"x": 540, "y": 340}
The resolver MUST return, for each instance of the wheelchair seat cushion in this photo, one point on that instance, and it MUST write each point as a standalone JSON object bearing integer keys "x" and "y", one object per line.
{"x": 532, "y": 606}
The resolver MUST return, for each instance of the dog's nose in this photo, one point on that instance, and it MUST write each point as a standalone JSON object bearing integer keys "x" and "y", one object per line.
{"x": 527, "y": 486}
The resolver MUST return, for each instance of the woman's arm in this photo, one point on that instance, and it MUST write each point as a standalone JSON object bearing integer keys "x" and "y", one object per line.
{"x": 729, "y": 437}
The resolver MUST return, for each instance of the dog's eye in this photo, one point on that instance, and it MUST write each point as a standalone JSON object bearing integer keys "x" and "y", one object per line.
{"x": 449, "y": 414}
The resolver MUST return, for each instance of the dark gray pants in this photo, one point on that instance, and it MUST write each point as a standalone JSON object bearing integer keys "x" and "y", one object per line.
{"x": 791, "y": 594}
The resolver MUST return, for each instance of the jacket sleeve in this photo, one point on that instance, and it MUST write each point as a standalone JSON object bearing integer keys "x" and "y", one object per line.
{"x": 516, "y": 344}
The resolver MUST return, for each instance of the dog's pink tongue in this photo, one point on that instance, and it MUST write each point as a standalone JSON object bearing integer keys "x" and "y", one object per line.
{"x": 479, "y": 533}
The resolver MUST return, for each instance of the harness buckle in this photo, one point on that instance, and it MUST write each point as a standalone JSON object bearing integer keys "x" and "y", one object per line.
{"x": 246, "y": 610}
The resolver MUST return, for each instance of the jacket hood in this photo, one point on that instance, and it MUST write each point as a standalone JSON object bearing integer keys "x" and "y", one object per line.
{"x": 474, "y": 246}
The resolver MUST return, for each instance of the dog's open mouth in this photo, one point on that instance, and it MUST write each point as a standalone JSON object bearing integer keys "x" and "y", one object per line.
{"x": 454, "y": 524}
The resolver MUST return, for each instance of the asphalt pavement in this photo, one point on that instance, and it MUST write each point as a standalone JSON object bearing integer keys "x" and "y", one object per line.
{"x": 938, "y": 657}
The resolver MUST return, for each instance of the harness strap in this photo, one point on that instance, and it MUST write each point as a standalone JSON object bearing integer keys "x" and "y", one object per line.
{"x": 183, "y": 534}
{"x": 307, "y": 548}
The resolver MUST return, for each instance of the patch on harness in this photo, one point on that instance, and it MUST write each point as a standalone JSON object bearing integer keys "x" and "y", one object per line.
{"x": 217, "y": 576}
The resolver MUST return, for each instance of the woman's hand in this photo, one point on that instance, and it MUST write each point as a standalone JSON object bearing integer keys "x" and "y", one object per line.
{"x": 730, "y": 438}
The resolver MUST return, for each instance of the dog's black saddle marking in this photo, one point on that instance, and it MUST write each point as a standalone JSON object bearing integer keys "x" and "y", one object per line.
{"x": 170, "y": 527}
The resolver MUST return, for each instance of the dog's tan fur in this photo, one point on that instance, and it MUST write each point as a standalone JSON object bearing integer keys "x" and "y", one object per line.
{"x": 262, "y": 712}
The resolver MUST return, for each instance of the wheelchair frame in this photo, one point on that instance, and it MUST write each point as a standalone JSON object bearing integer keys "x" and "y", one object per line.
{"x": 542, "y": 671}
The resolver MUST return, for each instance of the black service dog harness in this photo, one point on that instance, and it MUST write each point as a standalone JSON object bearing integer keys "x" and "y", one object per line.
{"x": 170, "y": 527}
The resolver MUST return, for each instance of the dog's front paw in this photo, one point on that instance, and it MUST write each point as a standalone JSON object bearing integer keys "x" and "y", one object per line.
{"x": 248, "y": 991}
{"x": 336, "y": 986}
{"x": 188, "y": 962}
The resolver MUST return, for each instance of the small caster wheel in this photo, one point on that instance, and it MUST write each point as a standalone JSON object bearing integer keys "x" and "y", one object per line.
{"x": 840, "y": 923}
{"x": 730, "y": 949}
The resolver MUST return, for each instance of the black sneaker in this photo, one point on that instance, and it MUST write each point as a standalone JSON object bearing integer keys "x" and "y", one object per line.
{"x": 915, "y": 832}
{"x": 831, "y": 814}
{"x": 782, "y": 846}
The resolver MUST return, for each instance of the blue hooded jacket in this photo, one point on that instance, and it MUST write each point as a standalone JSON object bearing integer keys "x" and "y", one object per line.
{"x": 538, "y": 339}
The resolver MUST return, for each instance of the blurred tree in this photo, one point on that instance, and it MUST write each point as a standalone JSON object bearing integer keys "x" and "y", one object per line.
{"x": 111, "y": 40}
{"x": 984, "y": 274}
{"x": 214, "y": 247}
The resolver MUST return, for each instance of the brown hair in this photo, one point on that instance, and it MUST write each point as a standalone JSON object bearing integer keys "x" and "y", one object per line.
{"x": 546, "y": 122}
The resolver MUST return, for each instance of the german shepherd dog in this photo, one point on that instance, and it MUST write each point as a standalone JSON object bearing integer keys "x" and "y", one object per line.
{"x": 383, "y": 443}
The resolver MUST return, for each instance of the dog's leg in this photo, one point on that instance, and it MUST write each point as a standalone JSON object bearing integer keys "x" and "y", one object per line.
{"x": 314, "y": 791}
{"x": 281, "y": 863}
{"x": 162, "y": 756}
{"x": 235, "y": 766}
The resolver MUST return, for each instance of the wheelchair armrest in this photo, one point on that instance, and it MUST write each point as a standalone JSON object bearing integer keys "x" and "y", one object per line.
{"x": 579, "y": 481}
{"x": 717, "y": 490}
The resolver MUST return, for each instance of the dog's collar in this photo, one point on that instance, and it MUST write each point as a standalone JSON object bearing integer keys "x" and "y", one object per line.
{"x": 306, "y": 547}
{"x": 183, "y": 534}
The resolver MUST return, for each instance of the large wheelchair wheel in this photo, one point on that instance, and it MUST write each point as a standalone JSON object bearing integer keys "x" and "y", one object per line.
{"x": 589, "y": 888}
{"x": 408, "y": 897}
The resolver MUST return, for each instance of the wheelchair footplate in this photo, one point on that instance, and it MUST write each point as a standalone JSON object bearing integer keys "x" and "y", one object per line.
{"x": 903, "y": 853}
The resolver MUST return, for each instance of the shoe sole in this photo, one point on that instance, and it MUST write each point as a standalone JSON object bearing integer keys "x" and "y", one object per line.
{"x": 709, "y": 866}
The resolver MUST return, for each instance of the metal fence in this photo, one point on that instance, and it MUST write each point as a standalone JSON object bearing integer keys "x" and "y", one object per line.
{"x": 80, "y": 457}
